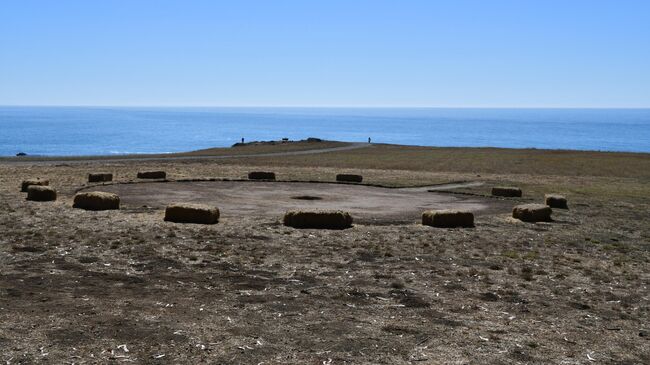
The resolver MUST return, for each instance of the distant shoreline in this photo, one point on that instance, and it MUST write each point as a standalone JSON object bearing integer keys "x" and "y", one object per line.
{"x": 329, "y": 107}
{"x": 64, "y": 132}
{"x": 278, "y": 148}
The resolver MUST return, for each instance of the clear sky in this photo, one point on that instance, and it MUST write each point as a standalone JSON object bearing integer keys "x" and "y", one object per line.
{"x": 454, "y": 53}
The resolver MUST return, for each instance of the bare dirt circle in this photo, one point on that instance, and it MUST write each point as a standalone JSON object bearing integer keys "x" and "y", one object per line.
{"x": 366, "y": 204}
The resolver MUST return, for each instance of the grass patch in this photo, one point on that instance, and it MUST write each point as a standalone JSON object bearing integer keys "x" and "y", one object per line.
{"x": 481, "y": 160}
{"x": 249, "y": 149}
{"x": 531, "y": 255}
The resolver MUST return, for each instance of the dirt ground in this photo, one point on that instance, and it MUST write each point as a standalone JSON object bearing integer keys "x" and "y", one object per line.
{"x": 124, "y": 286}
{"x": 367, "y": 204}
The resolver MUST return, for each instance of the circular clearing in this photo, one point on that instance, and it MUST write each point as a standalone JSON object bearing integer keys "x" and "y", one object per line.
{"x": 367, "y": 204}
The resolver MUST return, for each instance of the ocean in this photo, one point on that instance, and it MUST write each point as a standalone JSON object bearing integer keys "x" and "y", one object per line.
{"x": 68, "y": 131}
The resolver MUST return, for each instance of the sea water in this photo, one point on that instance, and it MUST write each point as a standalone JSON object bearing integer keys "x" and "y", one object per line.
{"x": 66, "y": 131}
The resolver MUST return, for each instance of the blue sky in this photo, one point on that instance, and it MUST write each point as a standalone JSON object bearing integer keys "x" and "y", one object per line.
{"x": 455, "y": 53}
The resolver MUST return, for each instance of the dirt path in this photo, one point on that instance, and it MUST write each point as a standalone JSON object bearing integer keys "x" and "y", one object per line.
{"x": 447, "y": 186}
{"x": 271, "y": 199}
{"x": 351, "y": 146}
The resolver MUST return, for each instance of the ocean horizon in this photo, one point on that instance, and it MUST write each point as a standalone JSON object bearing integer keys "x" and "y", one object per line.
{"x": 84, "y": 131}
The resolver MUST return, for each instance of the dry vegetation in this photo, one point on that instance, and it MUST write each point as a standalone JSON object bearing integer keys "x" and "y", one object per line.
{"x": 248, "y": 149}
{"x": 599, "y": 175}
{"x": 251, "y": 149}
{"x": 115, "y": 286}
{"x": 486, "y": 160}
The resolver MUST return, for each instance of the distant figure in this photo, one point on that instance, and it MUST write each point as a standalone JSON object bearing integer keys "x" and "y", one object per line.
{"x": 242, "y": 140}
{"x": 368, "y": 139}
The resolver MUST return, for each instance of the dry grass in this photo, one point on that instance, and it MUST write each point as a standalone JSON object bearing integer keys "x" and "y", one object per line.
{"x": 478, "y": 160}
{"x": 81, "y": 286}
{"x": 263, "y": 148}
{"x": 621, "y": 177}
{"x": 603, "y": 175}
{"x": 220, "y": 151}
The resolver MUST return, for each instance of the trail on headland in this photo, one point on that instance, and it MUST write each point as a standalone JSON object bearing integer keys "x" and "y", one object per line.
{"x": 71, "y": 160}
{"x": 445, "y": 186}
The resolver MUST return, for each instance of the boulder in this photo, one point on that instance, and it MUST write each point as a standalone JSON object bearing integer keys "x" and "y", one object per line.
{"x": 349, "y": 178}
{"x": 26, "y": 183}
{"x": 96, "y": 200}
{"x": 556, "y": 201}
{"x": 41, "y": 193}
{"x": 318, "y": 219}
{"x": 532, "y": 213}
{"x": 506, "y": 191}
{"x": 152, "y": 175}
{"x": 448, "y": 218}
{"x": 100, "y": 177}
{"x": 192, "y": 213}
{"x": 261, "y": 175}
